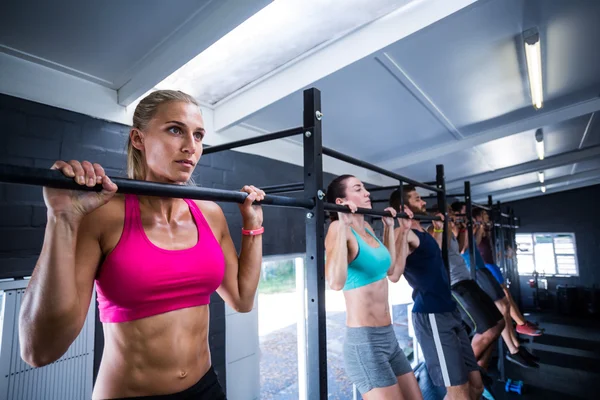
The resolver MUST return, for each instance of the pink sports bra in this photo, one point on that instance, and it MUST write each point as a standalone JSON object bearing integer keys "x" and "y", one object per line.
{"x": 138, "y": 279}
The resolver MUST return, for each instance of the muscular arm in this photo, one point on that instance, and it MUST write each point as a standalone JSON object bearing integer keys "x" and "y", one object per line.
{"x": 59, "y": 292}
{"x": 390, "y": 244}
{"x": 463, "y": 240}
{"x": 478, "y": 234}
{"x": 336, "y": 250}
{"x": 242, "y": 272}
{"x": 436, "y": 235}
{"x": 406, "y": 242}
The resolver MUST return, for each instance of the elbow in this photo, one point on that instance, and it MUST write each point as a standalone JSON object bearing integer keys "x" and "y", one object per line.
{"x": 336, "y": 284}
{"x": 37, "y": 358}
{"x": 394, "y": 278}
{"x": 244, "y": 308}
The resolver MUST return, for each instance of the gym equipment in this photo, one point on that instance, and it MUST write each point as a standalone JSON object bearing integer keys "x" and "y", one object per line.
{"x": 514, "y": 386}
{"x": 312, "y": 201}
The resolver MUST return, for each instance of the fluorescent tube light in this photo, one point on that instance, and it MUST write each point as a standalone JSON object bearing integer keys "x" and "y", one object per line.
{"x": 533, "y": 55}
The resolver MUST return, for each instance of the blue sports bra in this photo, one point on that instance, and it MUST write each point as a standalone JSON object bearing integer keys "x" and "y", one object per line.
{"x": 370, "y": 265}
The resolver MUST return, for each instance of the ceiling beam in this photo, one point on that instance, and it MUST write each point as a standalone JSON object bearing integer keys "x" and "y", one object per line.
{"x": 327, "y": 59}
{"x": 528, "y": 167}
{"x": 31, "y": 81}
{"x": 563, "y": 188}
{"x": 595, "y": 173}
{"x": 200, "y": 31}
{"x": 518, "y": 124}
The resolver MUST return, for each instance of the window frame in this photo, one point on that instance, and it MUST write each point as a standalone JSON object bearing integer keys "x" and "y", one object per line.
{"x": 554, "y": 235}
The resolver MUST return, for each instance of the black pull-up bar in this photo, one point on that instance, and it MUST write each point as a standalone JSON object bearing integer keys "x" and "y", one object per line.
{"x": 55, "y": 179}
{"x": 368, "y": 211}
{"x": 284, "y": 188}
{"x": 254, "y": 140}
{"x": 351, "y": 160}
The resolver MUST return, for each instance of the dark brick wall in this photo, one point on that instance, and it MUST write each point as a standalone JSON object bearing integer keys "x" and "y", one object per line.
{"x": 570, "y": 211}
{"x": 37, "y": 135}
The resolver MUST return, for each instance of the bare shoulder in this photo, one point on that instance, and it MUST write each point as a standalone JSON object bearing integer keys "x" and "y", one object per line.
{"x": 369, "y": 227}
{"x": 106, "y": 217}
{"x": 213, "y": 214}
{"x": 209, "y": 208}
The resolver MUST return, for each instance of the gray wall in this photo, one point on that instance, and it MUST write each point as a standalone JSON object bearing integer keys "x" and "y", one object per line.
{"x": 570, "y": 211}
{"x": 37, "y": 135}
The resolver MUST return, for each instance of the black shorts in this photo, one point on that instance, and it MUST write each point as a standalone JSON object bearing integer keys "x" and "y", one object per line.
{"x": 489, "y": 284}
{"x": 477, "y": 309}
{"x": 207, "y": 388}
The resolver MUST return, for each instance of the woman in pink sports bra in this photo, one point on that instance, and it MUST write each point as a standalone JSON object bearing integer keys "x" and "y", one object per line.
{"x": 155, "y": 262}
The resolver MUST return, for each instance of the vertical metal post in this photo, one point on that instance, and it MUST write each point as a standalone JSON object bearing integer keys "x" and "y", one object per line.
{"x": 498, "y": 235}
{"x": 515, "y": 269}
{"x": 440, "y": 181}
{"x": 316, "y": 333}
{"x": 401, "y": 190}
{"x": 301, "y": 327}
{"x": 472, "y": 244}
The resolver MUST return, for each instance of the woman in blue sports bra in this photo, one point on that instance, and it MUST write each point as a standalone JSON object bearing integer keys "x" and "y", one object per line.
{"x": 359, "y": 264}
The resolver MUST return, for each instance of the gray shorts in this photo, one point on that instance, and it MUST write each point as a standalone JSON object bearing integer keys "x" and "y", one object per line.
{"x": 489, "y": 284}
{"x": 446, "y": 348}
{"x": 373, "y": 358}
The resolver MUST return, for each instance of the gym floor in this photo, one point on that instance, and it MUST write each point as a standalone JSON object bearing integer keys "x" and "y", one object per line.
{"x": 569, "y": 354}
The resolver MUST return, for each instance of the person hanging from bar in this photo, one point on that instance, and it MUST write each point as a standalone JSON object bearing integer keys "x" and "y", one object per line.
{"x": 437, "y": 322}
{"x": 484, "y": 245}
{"x": 477, "y": 309}
{"x": 358, "y": 263}
{"x": 155, "y": 261}
{"x": 517, "y": 354}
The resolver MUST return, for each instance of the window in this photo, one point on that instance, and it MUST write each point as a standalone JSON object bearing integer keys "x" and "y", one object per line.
{"x": 281, "y": 296}
{"x": 547, "y": 254}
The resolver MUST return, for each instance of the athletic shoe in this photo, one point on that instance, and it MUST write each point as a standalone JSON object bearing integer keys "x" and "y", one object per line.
{"x": 528, "y": 330}
{"x": 527, "y": 355}
{"x": 533, "y": 325}
{"x": 518, "y": 359}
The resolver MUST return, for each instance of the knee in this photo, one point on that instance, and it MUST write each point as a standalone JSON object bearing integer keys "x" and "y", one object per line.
{"x": 500, "y": 326}
{"x": 503, "y": 306}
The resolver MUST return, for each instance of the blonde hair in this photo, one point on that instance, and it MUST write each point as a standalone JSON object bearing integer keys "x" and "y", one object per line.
{"x": 144, "y": 112}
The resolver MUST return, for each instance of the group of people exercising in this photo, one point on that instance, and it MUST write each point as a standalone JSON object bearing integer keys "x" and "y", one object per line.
{"x": 445, "y": 306}
{"x": 155, "y": 262}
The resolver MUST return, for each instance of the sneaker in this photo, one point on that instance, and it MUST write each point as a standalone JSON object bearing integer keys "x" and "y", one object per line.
{"x": 527, "y": 355}
{"x": 528, "y": 330}
{"x": 518, "y": 359}
{"x": 533, "y": 325}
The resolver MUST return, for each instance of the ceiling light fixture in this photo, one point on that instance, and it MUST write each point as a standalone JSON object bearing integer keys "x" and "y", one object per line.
{"x": 533, "y": 55}
{"x": 539, "y": 143}
{"x": 541, "y": 176}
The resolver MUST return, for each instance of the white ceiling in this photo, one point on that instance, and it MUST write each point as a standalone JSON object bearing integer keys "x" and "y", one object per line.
{"x": 405, "y": 84}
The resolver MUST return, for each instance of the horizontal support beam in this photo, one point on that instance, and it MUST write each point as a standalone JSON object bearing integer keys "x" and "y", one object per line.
{"x": 206, "y": 26}
{"x": 544, "y": 117}
{"x": 331, "y": 57}
{"x": 354, "y": 161}
{"x": 55, "y": 179}
{"x": 558, "y": 189}
{"x": 254, "y": 140}
{"x": 529, "y": 167}
{"x": 563, "y": 179}
{"x": 41, "y": 84}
